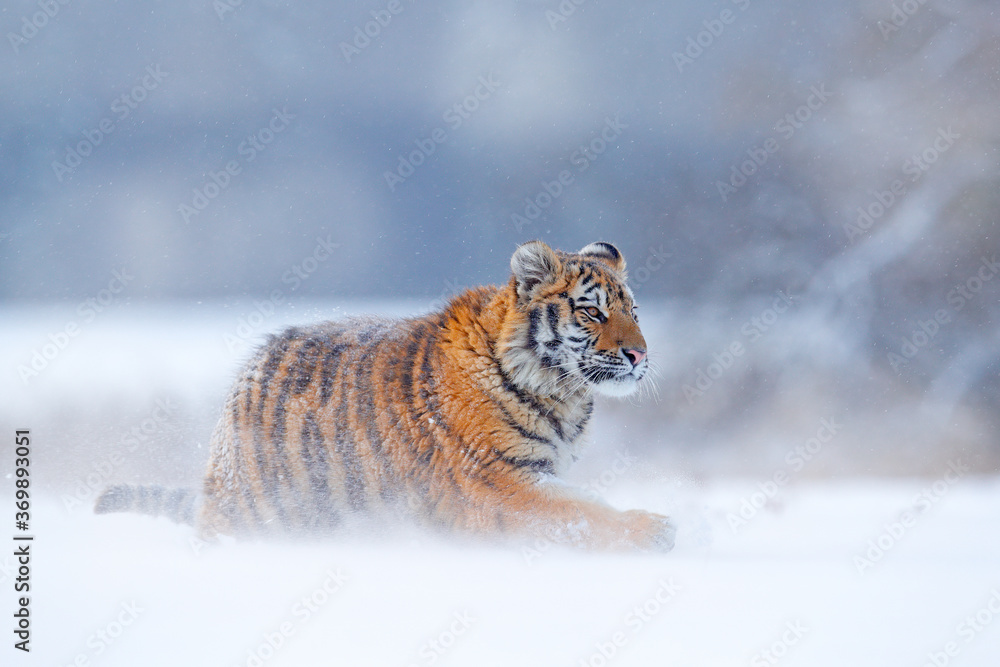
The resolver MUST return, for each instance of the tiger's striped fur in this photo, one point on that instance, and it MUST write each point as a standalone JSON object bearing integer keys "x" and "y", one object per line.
{"x": 459, "y": 419}
{"x": 176, "y": 504}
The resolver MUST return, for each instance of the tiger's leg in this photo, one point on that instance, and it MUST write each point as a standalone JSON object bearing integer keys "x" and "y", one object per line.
{"x": 558, "y": 514}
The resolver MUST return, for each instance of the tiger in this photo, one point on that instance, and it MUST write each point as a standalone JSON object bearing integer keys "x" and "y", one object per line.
{"x": 463, "y": 420}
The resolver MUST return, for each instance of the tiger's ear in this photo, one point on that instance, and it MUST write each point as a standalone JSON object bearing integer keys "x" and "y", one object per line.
{"x": 607, "y": 253}
{"x": 533, "y": 264}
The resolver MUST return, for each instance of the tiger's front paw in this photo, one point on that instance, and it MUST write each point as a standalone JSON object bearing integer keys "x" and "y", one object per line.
{"x": 648, "y": 531}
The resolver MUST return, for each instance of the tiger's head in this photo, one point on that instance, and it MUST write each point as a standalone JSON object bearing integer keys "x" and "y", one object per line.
{"x": 574, "y": 327}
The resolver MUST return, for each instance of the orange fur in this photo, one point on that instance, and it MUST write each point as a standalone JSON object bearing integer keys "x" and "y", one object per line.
{"x": 459, "y": 419}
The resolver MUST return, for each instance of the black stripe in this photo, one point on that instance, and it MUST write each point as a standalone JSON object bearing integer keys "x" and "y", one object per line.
{"x": 580, "y": 425}
{"x": 549, "y": 361}
{"x": 236, "y": 445}
{"x": 274, "y": 357}
{"x": 429, "y": 398}
{"x": 522, "y": 396}
{"x": 305, "y": 366}
{"x": 426, "y": 379}
{"x": 536, "y": 465}
{"x": 278, "y": 418}
{"x": 256, "y": 520}
{"x": 344, "y": 445}
{"x": 569, "y": 299}
{"x": 248, "y": 382}
{"x": 235, "y": 518}
{"x": 281, "y": 472}
{"x": 552, "y": 313}
{"x": 525, "y": 433}
{"x": 525, "y": 398}
{"x": 610, "y": 251}
{"x": 552, "y": 316}
{"x": 414, "y": 480}
{"x": 365, "y": 399}
{"x": 267, "y": 473}
{"x": 406, "y": 372}
{"x": 368, "y": 333}
{"x": 329, "y": 372}
{"x": 411, "y": 382}
{"x": 323, "y": 458}
{"x": 313, "y": 453}
{"x": 334, "y": 516}
{"x": 234, "y": 412}
{"x": 521, "y": 430}
{"x": 534, "y": 316}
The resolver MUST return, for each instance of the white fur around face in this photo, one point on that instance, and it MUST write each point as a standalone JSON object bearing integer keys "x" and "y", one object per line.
{"x": 616, "y": 387}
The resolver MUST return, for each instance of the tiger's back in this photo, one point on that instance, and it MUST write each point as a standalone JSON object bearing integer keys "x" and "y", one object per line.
{"x": 309, "y": 432}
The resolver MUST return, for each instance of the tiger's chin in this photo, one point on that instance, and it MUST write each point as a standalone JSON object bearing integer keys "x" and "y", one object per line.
{"x": 618, "y": 387}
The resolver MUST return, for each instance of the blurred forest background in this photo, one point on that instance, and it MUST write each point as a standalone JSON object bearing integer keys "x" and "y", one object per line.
{"x": 806, "y": 193}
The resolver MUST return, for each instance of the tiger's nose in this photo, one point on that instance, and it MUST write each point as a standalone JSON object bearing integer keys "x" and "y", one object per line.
{"x": 634, "y": 355}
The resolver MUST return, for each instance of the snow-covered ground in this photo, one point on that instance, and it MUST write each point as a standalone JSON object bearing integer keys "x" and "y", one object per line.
{"x": 127, "y": 590}
{"x": 777, "y": 568}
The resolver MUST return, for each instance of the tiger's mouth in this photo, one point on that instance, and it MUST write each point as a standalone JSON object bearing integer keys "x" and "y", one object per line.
{"x": 613, "y": 380}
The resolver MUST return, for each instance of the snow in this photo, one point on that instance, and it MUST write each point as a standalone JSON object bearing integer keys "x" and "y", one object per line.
{"x": 762, "y": 562}
{"x": 724, "y": 596}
